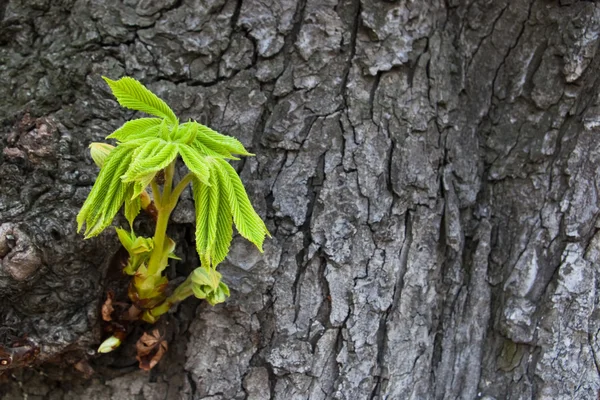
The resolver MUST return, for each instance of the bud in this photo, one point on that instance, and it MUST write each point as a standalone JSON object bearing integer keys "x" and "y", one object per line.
{"x": 99, "y": 152}
{"x": 202, "y": 276}
{"x": 109, "y": 345}
{"x": 145, "y": 197}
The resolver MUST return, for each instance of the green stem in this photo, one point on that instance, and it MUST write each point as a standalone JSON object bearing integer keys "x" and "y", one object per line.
{"x": 165, "y": 203}
{"x": 181, "y": 186}
{"x": 169, "y": 173}
{"x": 156, "y": 193}
{"x": 182, "y": 292}
{"x": 160, "y": 234}
{"x": 165, "y": 206}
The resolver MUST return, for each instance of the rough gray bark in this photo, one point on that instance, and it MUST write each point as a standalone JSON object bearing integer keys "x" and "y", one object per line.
{"x": 427, "y": 168}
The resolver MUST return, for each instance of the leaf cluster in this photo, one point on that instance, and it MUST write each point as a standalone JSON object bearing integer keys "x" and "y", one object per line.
{"x": 146, "y": 146}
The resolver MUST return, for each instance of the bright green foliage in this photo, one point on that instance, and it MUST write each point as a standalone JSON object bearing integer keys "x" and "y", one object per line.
{"x": 133, "y": 205}
{"x": 139, "y": 249}
{"x": 132, "y": 94}
{"x": 107, "y": 195}
{"x": 216, "y": 206}
{"x": 206, "y": 141}
{"x": 154, "y": 156}
{"x": 247, "y": 221}
{"x": 218, "y": 142}
{"x": 185, "y": 134}
{"x": 137, "y": 129}
{"x": 141, "y": 185}
{"x": 195, "y": 162}
{"x": 145, "y": 147}
{"x": 207, "y": 285}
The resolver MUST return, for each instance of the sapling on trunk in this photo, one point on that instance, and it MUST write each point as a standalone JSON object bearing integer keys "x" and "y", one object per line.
{"x": 145, "y": 156}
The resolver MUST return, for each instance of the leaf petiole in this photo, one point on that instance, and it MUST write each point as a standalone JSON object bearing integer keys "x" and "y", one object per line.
{"x": 183, "y": 183}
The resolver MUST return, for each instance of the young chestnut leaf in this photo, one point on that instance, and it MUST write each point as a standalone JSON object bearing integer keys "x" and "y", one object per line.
{"x": 133, "y": 205}
{"x": 208, "y": 142}
{"x": 126, "y": 238}
{"x": 203, "y": 276}
{"x": 142, "y": 128}
{"x": 206, "y": 200}
{"x": 206, "y": 284}
{"x": 211, "y": 139}
{"x": 216, "y": 206}
{"x": 219, "y": 295}
{"x": 109, "y": 345}
{"x": 141, "y": 184}
{"x": 156, "y": 155}
{"x": 247, "y": 221}
{"x": 200, "y": 148}
{"x": 132, "y": 94}
{"x": 107, "y": 195}
{"x": 184, "y": 134}
{"x": 195, "y": 162}
{"x": 224, "y": 232}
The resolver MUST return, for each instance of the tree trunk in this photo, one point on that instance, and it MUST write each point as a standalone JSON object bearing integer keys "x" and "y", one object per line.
{"x": 427, "y": 169}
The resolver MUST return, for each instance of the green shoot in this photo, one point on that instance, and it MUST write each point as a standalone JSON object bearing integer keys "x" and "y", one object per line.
{"x": 149, "y": 146}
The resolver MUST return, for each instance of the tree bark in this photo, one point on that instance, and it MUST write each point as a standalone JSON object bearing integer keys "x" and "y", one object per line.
{"x": 428, "y": 170}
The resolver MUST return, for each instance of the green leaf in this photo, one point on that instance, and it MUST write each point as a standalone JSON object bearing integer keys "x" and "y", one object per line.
{"x": 141, "y": 245}
{"x": 107, "y": 194}
{"x": 133, "y": 204}
{"x": 149, "y": 286}
{"x": 169, "y": 247}
{"x": 138, "y": 248}
{"x": 211, "y": 219}
{"x": 203, "y": 276}
{"x": 211, "y": 138}
{"x": 142, "y": 128}
{"x": 224, "y": 288}
{"x": 202, "y": 203}
{"x": 133, "y": 95}
{"x": 185, "y": 134}
{"x": 211, "y": 143}
{"x": 110, "y": 344}
{"x": 215, "y": 152}
{"x": 112, "y": 203}
{"x": 199, "y": 291}
{"x": 216, "y": 206}
{"x": 219, "y": 295}
{"x": 145, "y": 149}
{"x": 165, "y": 132}
{"x": 153, "y": 157}
{"x": 224, "y": 221}
{"x": 195, "y": 162}
{"x": 125, "y": 238}
{"x": 247, "y": 221}
{"x": 206, "y": 284}
{"x": 142, "y": 183}
{"x": 96, "y": 197}
{"x": 207, "y": 145}
{"x": 135, "y": 145}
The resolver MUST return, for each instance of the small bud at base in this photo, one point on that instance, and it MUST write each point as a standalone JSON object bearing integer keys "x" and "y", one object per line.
{"x": 109, "y": 345}
{"x": 99, "y": 152}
